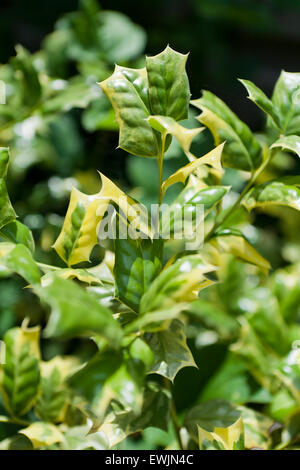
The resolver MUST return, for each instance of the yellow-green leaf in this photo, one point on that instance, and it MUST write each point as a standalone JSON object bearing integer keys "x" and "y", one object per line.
{"x": 212, "y": 159}
{"x": 68, "y": 273}
{"x": 79, "y": 232}
{"x": 229, "y": 438}
{"x": 20, "y": 374}
{"x": 167, "y": 125}
{"x": 42, "y": 434}
{"x": 228, "y": 241}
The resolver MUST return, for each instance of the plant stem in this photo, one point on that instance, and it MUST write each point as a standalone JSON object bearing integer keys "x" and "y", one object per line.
{"x": 174, "y": 415}
{"x": 160, "y": 161}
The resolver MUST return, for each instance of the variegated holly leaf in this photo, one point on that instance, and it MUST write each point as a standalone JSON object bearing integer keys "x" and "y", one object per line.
{"x": 290, "y": 143}
{"x": 79, "y": 232}
{"x": 20, "y": 375}
{"x": 42, "y": 434}
{"x": 76, "y": 312}
{"x": 212, "y": 159}
{"x": 127, "y": 89}
{"x": 184, "y": 210}
{"x": 258, "y": 97}
{"x": 155, "y": 413}
{"x": 16, "y": 232}
{"x": 242, "y": 150}
{"x": 256, "y": 428}
{"x": 82, "y": 275}
{"x": 286, "y": 100}
{"x": 229, "y": 438}
{"x": 169, "y": 92}
{"x": 179, "y": 282}
{"x": 273, "y": 193}
{"x": 168, "y": 126}
{"x": 210, "y": 415}
{"x": 53, "y": 398}
{"x": 161, "y": 88}
{"x": 233, "y": 242}
{"x": 137, "y": 263}
{"x": 171, "y": 352}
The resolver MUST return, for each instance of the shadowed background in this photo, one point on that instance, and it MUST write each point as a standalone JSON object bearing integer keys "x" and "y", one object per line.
{"x": 226, "y": 39}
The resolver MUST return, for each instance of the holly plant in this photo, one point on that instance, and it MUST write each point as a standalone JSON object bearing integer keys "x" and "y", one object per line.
{"x": 134, "y": 308}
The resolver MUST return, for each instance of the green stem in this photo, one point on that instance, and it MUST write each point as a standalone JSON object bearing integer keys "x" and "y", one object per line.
{"x": 160, "y": 162}
{"x": 174, "y": 415}
{"x": 248, "y": 186}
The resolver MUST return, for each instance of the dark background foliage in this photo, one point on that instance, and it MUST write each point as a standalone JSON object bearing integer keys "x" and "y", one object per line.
{"x": 226, "y": 39}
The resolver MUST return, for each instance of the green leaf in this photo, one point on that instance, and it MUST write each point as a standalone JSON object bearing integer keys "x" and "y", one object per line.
{"x": 17, "y": 232}
{"x": 286, "y": 99}
{"x": 77, "y": 93}
{"x": 20, "y": 373}
{"x": 120, "y": 38}
{"x": 76, "y": 312}
{"x": 155, "y": 413}
{"x": 18, "y": 259}
{"x": 31, "y": 87}
{"x": 137, "y": 263}
{"x": 171, "y": 352}
{"x": 210, "y": 415}
{"x": 7, "y": 213}
{"x": 290, "y": 142}
{"x": 262, "y": 101}
{"x": 242, "y": 150}
{"x": 127, "y": 89}
{"x": 179, "y": 282}
{"x": 268, "y": 324}
{"x": 169, "y": 92}
{"x": 233, "y": 383}
{"x": 273, "y": 193}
